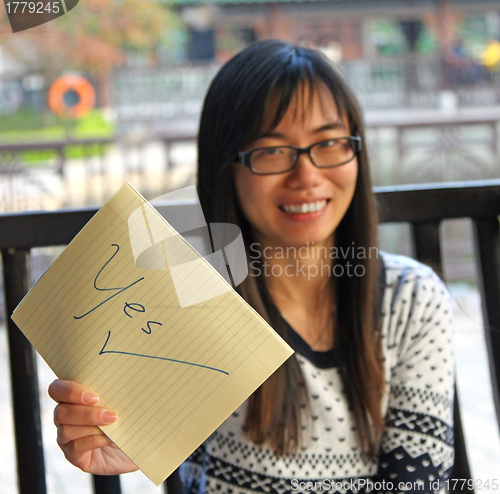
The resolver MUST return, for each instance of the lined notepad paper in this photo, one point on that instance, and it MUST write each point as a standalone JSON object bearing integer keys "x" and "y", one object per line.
{"x": 174, "y": 354}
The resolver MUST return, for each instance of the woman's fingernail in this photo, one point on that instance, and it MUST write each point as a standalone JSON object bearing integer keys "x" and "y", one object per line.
{"x": 108, "y": 416}
{"x": 90, "y": 398}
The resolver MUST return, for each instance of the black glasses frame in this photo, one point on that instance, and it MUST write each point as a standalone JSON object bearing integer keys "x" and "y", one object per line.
{"x": 244, "y": 156}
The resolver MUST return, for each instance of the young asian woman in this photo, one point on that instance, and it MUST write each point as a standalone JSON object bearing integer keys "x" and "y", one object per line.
{"x": 366, "y": 401}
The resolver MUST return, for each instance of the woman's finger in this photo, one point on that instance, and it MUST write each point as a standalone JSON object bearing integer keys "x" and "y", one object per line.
{"x": 75, "y": 449}
{"x": 68, "y": 433}
{"x": 71, "y": 392}
{"x": 69, "y": 414}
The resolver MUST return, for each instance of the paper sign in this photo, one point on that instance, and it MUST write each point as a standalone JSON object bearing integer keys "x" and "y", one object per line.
{"x": 174, "y": 350}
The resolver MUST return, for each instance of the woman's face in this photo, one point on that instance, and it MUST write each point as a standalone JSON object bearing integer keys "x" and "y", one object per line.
{"x": 270, "y": 202}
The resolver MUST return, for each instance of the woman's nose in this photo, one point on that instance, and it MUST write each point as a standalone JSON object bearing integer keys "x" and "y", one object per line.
{"x": 305, "y": 174}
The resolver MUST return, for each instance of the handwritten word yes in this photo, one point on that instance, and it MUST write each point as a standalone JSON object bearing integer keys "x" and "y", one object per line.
{"x": 139, "y": 308}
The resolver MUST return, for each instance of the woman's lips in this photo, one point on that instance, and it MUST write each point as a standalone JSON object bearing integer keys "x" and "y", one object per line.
{"x": 304, "y": 211}
{"x": 307, "y": 207}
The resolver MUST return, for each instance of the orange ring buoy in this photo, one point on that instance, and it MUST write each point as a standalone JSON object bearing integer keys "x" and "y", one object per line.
{"x": 71, "y": 96}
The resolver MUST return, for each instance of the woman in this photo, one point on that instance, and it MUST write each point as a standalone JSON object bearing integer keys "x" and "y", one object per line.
{"x": 366, "y": 402}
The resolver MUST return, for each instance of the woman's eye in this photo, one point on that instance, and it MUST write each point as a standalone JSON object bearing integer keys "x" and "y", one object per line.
{"x": 327, "y": 144}
{"x": 273, "y": 151}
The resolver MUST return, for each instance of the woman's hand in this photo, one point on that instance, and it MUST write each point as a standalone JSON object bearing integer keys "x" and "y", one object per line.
{"x": 83, "y": 443}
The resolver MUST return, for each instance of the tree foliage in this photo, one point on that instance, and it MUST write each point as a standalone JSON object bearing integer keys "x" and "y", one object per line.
{"x": 93, "y": 37}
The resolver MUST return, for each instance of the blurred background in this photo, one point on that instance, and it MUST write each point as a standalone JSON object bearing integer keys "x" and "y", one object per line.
{"x": 112, "y": 91}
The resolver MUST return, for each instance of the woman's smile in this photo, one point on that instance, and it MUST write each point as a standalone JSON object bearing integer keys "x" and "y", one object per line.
{"x": 304, "y": 207}
{"x": 304, "y": 210}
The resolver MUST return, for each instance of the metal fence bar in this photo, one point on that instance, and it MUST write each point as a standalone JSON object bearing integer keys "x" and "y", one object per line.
{"x": 25, "y": 394}
{"x": 427, "y": 246}
{"x": 461, "y": 468}
{"x": 109, "y": 484}
{"x": 424, "y": 203}
{"x": 487, "y": 239}
{"x": 173, "y": 484}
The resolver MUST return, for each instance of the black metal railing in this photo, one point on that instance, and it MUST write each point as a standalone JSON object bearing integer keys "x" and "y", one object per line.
{"x": 429, "y": 145}
{"x": 424, "y": 207}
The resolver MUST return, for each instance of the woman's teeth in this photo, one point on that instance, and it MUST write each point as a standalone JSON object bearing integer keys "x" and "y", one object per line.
{"x": 306, "y": 207}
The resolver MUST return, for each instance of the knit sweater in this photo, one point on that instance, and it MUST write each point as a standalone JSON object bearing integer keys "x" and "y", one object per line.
{"x": 416, "y": 451}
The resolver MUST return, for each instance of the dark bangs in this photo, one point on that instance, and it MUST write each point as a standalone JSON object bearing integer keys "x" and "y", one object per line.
{"x": 296, "y": 70}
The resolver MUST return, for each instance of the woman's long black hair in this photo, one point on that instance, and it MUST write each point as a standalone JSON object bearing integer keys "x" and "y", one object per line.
{"x": 232, "y": 117}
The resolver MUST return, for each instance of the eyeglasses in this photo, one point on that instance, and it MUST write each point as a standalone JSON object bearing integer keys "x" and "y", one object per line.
{"x": 281, "y": 159}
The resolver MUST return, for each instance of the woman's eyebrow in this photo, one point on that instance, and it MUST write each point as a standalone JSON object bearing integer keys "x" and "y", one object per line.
{"x": 270, "y": 134}
{"x": 328, "y": 126}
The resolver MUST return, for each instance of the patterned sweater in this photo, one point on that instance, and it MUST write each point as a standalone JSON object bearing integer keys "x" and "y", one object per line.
{"x": 416, "y": 451}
